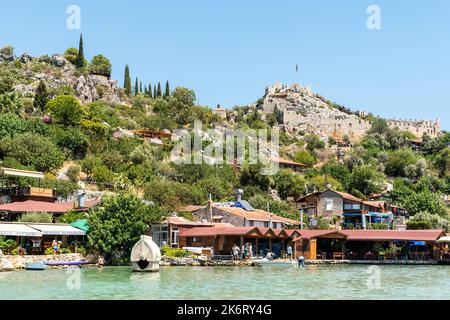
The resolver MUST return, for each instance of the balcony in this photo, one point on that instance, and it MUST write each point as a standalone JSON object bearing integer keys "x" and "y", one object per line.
{"x": 24, "y": 193}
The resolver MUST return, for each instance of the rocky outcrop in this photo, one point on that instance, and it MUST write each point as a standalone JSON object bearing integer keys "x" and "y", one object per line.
{"x": 19, "y": 262}
{"x": 26, "y": 58}
{"x": 187, "y": 261}
{"x": 5, "y": 264}
{"x": 59, "y": 72}
{"x": 304, "y": 111}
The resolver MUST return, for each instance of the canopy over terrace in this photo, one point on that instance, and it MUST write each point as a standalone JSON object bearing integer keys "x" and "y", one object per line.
{"x": 18, "y": 230}
{"x": 222, "y": 239}
{"x": 57, "y": 230}
{"x": 309, "y": 242}
{"x": 57, "y": 208}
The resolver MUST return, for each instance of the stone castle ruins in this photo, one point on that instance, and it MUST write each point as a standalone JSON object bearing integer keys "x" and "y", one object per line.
{"x": 302, "y": 110}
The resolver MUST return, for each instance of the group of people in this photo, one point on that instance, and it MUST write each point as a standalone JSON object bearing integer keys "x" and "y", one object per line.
{"x": 246, "y": 252}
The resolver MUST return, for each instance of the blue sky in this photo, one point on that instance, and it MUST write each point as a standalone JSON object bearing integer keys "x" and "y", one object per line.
{"x": 228, "y": 52}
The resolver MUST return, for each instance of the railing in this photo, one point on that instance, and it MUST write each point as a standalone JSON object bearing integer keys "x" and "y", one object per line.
{"x": 26, "y": 191}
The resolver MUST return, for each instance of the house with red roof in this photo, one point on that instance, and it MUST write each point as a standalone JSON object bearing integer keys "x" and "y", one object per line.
{"x": 349, "y": 211}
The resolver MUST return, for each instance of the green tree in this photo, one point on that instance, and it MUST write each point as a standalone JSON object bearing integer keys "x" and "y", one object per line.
{"x": 313, "y": 142}
{"x": 32, "y": 150}
{"x": 136, "y": 87}
{"x": 442, "y": 162}
{"x": 425, "y": 201}
{"x": 289, "y": 184}
{"x": 167, "y": 91}
{"x": 66, "y": 110}
{"x": 140, "y": 87}
{"x": 71, "y": 55}
{"x": 158, "y": 91}
{"x": 127, "y": 81}
{"x": 367, "y": 180}
{"x": 398, "y": 160}
{"x": 219, "y": 188}
{"x": 100, "y": 65}
{"x": 72, "y": 140}
{"x": 80, "y": 62}
{"x": 12, "y": 125}
{"x": 305, "y": 157}
{"x": 150, "y": 94}
{"x": 36, "y": 217}
{"x": 173, "y": 195}
{"x": 117, "y": 224}
{"x": 41, "y": 96}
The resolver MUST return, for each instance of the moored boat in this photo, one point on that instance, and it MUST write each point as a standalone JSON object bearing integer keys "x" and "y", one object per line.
{"x": 281, "y": 263}
{"x": 35, "y": 265}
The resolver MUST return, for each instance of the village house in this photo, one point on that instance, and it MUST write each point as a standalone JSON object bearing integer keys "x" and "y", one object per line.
{"x": 350, "y": 211}
{"x": 288, "y": 164}
{"x": 241, "y": 214}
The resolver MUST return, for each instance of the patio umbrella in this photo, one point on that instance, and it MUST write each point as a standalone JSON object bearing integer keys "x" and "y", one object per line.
{"x": 444, "y": 239}
{"x": 417, "y": 243}
{"x": 81, "y": 224}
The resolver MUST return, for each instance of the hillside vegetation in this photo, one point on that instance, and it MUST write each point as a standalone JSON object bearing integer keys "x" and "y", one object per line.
{"x": 64, "y": 108}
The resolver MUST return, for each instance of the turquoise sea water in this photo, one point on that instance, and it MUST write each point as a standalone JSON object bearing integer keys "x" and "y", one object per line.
{"x": 311, "y": 282}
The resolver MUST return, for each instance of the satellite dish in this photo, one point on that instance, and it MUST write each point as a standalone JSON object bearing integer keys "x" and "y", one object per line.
{"x": 329, "y": 186}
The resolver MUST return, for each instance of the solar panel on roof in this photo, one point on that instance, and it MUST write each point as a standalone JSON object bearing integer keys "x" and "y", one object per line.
{"x": 244, "y": 205}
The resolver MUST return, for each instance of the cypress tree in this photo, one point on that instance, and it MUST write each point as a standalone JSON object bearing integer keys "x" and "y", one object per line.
{"x": 140, "y": 87}
{"x": 154, "y": 92}
{"x": 41, "y": 96}
{"x": 167, "y": 92}
{"x": 136, "y": 87}
{"x": 127, "y": 81}
{"x": 159, "y": 90}
{"x": 80, "y": 57}
{"x": 150, "y": 95}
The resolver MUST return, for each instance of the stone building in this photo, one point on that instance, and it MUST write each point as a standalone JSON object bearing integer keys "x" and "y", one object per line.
{"x": 241, "y": 216}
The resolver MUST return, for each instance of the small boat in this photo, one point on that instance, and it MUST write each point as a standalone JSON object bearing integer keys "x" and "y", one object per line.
{"x": 281, "y": 263}
{"x": 65, "y": 263}
{"x": 35, "y": 265}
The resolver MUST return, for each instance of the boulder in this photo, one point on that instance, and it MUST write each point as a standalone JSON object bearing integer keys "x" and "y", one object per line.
{"x": 25, "y": 58}
{"x": 58, "y": 60}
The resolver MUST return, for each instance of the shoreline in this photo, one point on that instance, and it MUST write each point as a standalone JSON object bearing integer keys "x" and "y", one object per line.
{"x": 13, "y": 263}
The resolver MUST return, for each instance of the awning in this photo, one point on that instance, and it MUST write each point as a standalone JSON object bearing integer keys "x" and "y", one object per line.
{"x": 18, "y": 230}
{"x": 81, "y": 224}
{"x": 444, "y": 239}
{"x": 57, "y": 230}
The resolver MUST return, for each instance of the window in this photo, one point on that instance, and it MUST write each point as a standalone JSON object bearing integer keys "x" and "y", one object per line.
{"x": 352, "y": 206}
{"x": 251, "y": 223}
{"x": 329, "y": 204}
{"x": 174, "y": 236}
{"x": 160, "y": 234}
{"x": 266, "y": 224}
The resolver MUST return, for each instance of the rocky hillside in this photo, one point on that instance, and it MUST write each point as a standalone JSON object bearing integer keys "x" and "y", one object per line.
{"x": 299, "y": 109}
{"x": 59, "y": 76}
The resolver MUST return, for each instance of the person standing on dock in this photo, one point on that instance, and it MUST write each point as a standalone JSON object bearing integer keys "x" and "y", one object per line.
{"x": 289, "y": 252}
{"x": 235, "y": 251}
{"x": 55, "y": 248}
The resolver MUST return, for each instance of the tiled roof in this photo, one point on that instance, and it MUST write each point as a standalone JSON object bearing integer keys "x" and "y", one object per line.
{"x": 215, "y": 231}
{"x": 191, "y": 208}
{"x": 348, "y": 196}
{"x": 181, "y": 221}
{"x": 375, "y": 235}
{"x": 42, "y": 206}
{"x": 288, "y": 162}
{"x": 259, "y": 215}
{"x": 408, "y": 235}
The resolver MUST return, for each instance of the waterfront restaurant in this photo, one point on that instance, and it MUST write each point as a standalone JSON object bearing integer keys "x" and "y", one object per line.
{"x": 36, "y": 237}
{"x": 368, "y": 244}
{"x": 222, "y": 239}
